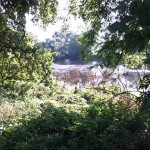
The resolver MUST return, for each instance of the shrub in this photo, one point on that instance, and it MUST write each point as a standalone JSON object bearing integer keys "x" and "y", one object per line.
{"x": 104, "y": 125}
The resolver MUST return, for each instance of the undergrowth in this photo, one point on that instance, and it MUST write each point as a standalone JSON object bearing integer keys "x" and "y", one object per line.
{"x": 96, "y": 118}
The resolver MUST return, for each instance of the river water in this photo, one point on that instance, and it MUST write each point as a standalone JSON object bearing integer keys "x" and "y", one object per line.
{"x": 125, "y": 78}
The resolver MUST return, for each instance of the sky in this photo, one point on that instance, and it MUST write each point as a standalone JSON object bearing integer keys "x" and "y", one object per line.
{"x": 76, "y": 26}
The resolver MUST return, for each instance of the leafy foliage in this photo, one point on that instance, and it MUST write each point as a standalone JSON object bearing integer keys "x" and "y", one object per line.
{"x": 44, "y": 120}
{"x": 21, "y": 58}
{"x": 65, "y": 45}
{"x": 125, "y": 24}
{"x": 13, "y": 13}
{"x": 27, "y": 62}
{"x": 99, "y": 121}
{"x": 104, "y": 125}
{"x": 125, "y": 29}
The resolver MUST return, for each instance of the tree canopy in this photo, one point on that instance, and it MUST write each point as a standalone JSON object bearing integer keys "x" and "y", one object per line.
{"x": 65, "y": 44}
{"x": 125, "y": 23}
{"x": 13, "y": 13}
{"x": 21, "y": 58}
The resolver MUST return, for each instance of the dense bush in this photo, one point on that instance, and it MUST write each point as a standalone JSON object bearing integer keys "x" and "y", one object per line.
{"x": 46, "y": 118}
{"x": 105, "y": 125}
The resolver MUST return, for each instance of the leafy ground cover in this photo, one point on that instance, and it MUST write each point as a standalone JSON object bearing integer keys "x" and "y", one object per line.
{"x": 90, "y": 119}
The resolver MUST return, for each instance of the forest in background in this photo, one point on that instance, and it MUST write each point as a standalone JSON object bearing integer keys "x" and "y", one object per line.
{"x": 66, "y": 47}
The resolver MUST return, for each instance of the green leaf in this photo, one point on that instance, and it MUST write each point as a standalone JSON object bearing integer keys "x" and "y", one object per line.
{"x": 118, "y": 26}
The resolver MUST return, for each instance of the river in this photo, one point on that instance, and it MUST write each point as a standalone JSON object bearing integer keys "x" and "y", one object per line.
{"x": 125, "y": 78}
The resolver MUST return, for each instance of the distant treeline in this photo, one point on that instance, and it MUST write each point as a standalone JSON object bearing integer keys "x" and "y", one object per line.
{"x": 65, "y": 45}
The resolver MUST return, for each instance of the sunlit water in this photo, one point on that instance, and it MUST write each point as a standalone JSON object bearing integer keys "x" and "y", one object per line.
{"x": 127, "y": 79}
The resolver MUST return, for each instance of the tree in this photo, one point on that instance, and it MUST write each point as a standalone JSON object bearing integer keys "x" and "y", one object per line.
{"x": 126, "y": 28}
{"x": 126, "y": 24}
{"x": 23, "y": 61}
{"x": 13, "y": 13}
{"x": 21, "y": 58}
{"x": 65, "y": 45}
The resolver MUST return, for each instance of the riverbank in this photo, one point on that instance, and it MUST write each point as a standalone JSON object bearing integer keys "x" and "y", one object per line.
{"x": 127, "y": 79}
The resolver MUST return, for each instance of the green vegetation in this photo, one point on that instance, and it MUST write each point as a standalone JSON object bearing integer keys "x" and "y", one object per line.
{"x": 124, "y": 26}
{"x": 65, "y": 45}
{"x": 37, "y": 113}
{"x": 21, "y": 58}
{"x": 61, "y": 120}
